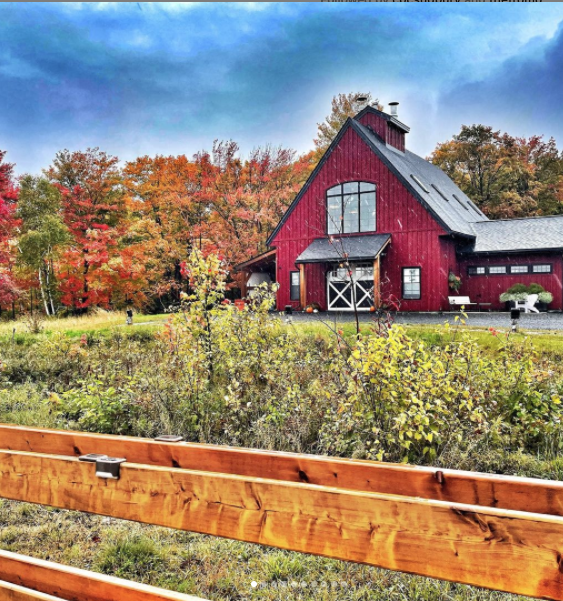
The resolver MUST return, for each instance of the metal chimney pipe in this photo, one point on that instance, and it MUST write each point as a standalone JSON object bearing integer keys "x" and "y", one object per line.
{"x": 393, "y": 109}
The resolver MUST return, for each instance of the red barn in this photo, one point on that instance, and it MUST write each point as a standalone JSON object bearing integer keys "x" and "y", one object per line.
{"x": 376, "y": 221}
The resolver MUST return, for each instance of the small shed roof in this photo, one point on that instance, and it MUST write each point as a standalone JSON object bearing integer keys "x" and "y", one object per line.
{"x": 352, "y": 248}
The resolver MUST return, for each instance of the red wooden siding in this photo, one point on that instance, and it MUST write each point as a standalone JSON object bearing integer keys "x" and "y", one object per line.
{"x": 415, "y": 235}
{"x": 395, "y": 137}
{"x": 488, "y": 288}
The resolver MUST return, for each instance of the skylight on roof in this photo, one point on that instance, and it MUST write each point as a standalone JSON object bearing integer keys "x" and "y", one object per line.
{"x": 420, "y": 184}
{"x": 440, "y": 192}
{"x": 461, "y": 203}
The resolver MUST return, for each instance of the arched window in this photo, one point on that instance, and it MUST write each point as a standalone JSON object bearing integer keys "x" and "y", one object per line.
{"x": 350, "y": 208}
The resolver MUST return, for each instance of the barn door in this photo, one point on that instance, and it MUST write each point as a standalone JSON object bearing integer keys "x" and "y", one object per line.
{"x": 343, "y": 288}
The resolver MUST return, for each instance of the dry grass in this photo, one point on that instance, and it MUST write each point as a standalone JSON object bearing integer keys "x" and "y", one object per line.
{"x": 98, "y": 320}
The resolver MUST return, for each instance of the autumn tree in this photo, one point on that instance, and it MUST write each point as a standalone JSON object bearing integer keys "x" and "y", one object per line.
{"x": 249, "y": 196}
{"x": 8, "y": 231}
{"x": 94, "y": 212}
{"x": 42, "y": 236}
{"x": 504, "y": 175}
{"x": 169, "y": 207}
{"x": 343, "y": 106}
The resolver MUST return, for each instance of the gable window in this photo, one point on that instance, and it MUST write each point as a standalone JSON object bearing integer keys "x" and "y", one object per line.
{"x": 411, "y": 283}
{"x": 542, "y": 268}
{"x": 294, "y": 286}
{"x": 350, "y": 208}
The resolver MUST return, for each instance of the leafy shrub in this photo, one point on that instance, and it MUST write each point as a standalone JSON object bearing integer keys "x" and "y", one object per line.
{"x": 95, "y": 408}
{"x": 406, "y": 400}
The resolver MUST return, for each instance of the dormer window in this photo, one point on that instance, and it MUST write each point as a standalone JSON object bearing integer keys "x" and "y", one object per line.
{"x": 350, "y": 208}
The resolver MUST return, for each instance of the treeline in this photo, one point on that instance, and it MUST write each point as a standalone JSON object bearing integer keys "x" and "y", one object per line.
{"x": 91, "y": 231}
{"x": 506, "y": 176}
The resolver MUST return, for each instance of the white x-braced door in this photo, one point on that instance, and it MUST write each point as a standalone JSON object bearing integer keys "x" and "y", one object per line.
{"x": 344, "y": 287}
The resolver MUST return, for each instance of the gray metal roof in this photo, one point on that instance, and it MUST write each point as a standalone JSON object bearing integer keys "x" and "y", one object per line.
{"x": 429, "y": 184}
{"x": 351, "y": 248}
{"x": 512, "y": 235}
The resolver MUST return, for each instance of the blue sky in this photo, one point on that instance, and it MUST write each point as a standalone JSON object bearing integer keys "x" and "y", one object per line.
{"x": 169, "y": 78}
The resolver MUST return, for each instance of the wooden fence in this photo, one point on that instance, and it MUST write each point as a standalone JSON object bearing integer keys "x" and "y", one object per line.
{"x": 497, "y": 532}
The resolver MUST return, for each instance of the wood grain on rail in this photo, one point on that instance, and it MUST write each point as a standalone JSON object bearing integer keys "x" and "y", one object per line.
{"x": 500, "y": 549}
{"x": 489, "y": 490}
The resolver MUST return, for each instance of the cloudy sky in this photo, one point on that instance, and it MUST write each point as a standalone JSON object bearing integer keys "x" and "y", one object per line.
{"x": 169, "y": 78}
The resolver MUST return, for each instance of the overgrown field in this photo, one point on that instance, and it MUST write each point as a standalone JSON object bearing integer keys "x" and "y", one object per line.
{"x": 439, "y": 396}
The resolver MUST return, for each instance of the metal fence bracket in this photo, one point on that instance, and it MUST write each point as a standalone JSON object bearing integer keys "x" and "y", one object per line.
{"x": 108, "y": 467}
{"x": 92, "y": 457}
{"x": 169, "y": 438}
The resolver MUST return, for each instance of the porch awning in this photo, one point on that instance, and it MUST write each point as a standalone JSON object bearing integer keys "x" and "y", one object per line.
{"x": 357, "y": 248}
{"x": 257, "y": 263}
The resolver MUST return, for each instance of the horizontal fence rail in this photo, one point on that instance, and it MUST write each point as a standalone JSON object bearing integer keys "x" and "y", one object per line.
{"x": 23, "y": 578}
{"x": 489, "y": 531}
{"x": 490, "y": 490}
{"x": 13, "y": 592}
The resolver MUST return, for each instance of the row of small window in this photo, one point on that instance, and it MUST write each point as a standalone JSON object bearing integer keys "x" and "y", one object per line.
{"x": 351, "y": 208}
{"x": 503, "y": 269}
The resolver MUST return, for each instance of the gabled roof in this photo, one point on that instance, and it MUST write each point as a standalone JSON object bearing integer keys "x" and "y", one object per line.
{"x": 449, "y": 206}
{"x": 356, "y": 248}
{"x": 531, "y": 234}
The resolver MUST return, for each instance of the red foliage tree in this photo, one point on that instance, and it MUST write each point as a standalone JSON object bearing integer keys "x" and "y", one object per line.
{"x": 8, "y": 231}
{"x": 94, "y": 212}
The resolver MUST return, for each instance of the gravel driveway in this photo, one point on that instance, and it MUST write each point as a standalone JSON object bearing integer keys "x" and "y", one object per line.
{"x": 530, "y": 321}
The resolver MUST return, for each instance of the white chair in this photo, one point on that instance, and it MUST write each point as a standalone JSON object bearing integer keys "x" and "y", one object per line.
{"x": 529, "y": 304}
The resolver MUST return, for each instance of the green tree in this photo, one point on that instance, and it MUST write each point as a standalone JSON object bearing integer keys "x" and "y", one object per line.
{"x": 42, "y": 234}
{"x": 343, "y": 106}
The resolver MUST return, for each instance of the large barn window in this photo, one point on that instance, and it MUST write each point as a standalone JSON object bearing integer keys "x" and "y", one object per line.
{"x": 411, "y": 283}
{"x": 350, "y": 208}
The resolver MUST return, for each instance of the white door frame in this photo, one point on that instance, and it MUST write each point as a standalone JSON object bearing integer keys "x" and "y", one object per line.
{"x": 355, "y": 283}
